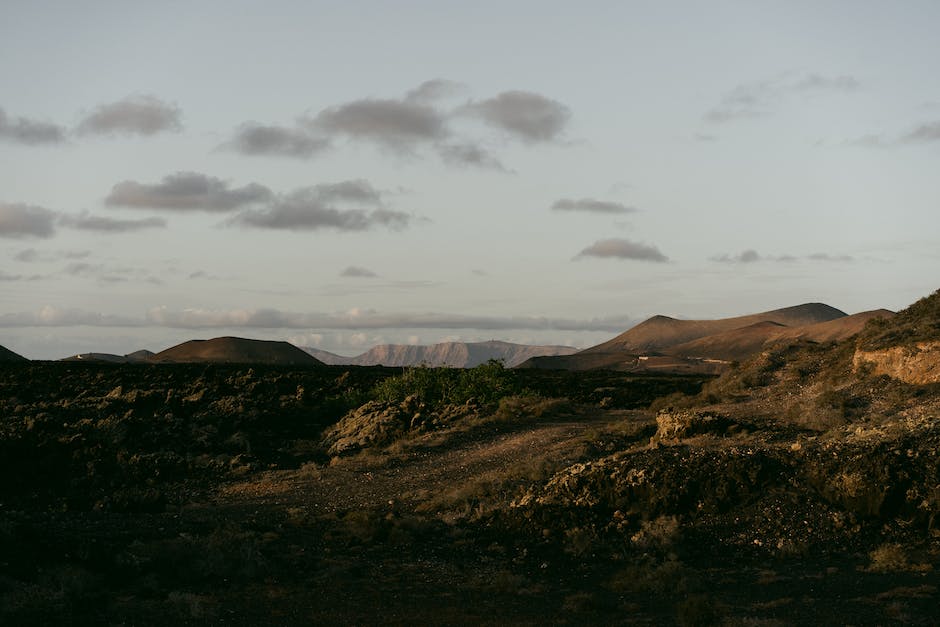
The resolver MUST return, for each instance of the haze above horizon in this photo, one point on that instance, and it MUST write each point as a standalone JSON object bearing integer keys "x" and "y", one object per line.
{"x": 345, "y": 175}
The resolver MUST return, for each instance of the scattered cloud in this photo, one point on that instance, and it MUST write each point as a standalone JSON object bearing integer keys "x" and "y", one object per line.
{"x": 760, "y": 98}
{"x": 28, "y": 255}
{"x": 256, "y": 139}
{"x": 395, "y": 124}
{"x": 187, "y": 191}
{"x": 23, "y": 130}
{"x": 623, "y": 249}
{"x": 359, "y": 319}
{"x": 50, "y": 316}
{"x": 353, "y": 190}
{"x": 752, "y": 256}
{"x": 320, "y": 207}
{"x": 748, "y": 256}
{"x": 468, "y": 154}
{"x": 84, "y": 221}
{"x": 815, "y": 82}
{"x": 434, "y": 89}
{"x": 357, "y": 272}
{"x": 134, "y": 115}
{"x": 307, "y": 210}
{"x": 591, "y": 205}
{"x": 929, "y": 132}
{"x": 528, "y": 116}
{"x": 18, "y": 220}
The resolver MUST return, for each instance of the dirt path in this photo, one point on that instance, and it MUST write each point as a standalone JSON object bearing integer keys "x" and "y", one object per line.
{"x": 424, "y": 472}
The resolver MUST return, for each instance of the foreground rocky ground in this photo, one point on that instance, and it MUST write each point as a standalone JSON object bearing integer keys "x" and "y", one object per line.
{"x": 141, "y": 495}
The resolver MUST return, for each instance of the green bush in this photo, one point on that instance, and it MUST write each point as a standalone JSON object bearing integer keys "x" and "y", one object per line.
{"x": 484, "y": 384}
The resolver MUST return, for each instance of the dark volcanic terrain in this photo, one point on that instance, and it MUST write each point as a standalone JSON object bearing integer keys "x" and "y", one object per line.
{"x": 800, "y": 487}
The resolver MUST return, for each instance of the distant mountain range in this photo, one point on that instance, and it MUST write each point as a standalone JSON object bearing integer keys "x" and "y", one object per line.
{"x": 663, "y": 344}
{"x": 455, "y": 354}
{"x": 659, "y": 344}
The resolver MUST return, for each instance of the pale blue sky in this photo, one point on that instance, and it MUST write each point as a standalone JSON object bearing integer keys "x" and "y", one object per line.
{"x": 708, "y": 159}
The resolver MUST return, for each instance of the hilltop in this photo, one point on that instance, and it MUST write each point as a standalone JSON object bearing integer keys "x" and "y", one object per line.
{"x": 236, "y": 350}
{"x": 667, "y": 344}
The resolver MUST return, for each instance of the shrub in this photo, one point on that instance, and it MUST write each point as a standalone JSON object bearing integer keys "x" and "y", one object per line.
{"x": 484, "y": 384}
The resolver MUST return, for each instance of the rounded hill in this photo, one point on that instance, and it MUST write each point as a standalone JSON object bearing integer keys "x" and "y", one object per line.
{"x": 236, "y": 350}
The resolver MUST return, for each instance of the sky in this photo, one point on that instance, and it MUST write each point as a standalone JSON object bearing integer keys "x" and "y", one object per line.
{"x": 345, "y": 174}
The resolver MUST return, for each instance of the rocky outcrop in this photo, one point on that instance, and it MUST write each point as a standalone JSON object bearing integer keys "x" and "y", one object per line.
{"x": 379, "y": 423}
{"x": 918, "y": 364}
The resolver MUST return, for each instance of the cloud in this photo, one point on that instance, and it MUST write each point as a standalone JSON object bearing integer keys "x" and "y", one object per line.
{"x": 748, "y": 256}
{"x": 87, "y": 222}
{"x": 591, "y": 205}
{"x": 28, "y": 255}
{"x": 18, "y": 220}
{"x": 353, "y": 190}
{"x": 358, "y": 272}
{"x": 434, "y": 89}
{"x": 623, "y": 249}
{"x": 468, "y": 154}
{"x": 30, "y": 132}
{"x": 527, "y": 116}
{"x": 929, "y": 132}
{"x": 358, "y": 319}
{"x": 50, "y": 316}
{"x": 396, "y": 124}
{"x": 308, "y": 209}
{"x": 314, "y": 208}
{"x": 815, "y": 82}
{"x": 256, "y": 139}
{"x": 187, "y": 190}
{"x": 134, "y": 115}
{"x": 759, "y": 98}
{"x": 752, "y": 256}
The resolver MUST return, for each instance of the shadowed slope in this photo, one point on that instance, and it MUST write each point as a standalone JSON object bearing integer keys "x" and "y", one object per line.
{"x": 8, "y": 356}
{"x": 236, "y": 350}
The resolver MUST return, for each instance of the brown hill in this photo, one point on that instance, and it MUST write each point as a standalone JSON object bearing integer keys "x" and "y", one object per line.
{"x": 660, "y": 335}
{"x": 661, "y": 332}
{"x": 236, "y": 350}
{"x": 137, "y": 357}
{"x": 8, "y": 356}
{"x": 743, "y": 343}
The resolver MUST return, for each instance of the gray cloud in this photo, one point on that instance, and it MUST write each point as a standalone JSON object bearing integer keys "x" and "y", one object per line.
{"x": 748, "y": 256}
{"x": 367, "y": 319}
{"x": 760, "y": 98}
{"x": 397, "y": 124}
{"x": 526, "y": 115}
{"x": 18, "y": 220}
{"x": 50, "y": 316}
{"x": 623, "y": 249}
{"x": 134, "y": 115}
{"x": 929, "y": 132}
{"x": 812, "y": 82}
{"x": 592, "y": 206}
{"x": 187, "y": 190}
{"x": 752, "y": 256}
{"x": 30, "y": 132}
{"x": 469, "y": 154}
{"x": 87, "y": 222}
{"x": 256, "y": 139}
{"x": 353, "y": 190}
{"x": 28, "y": 255}
{"x": 306, "y": 210}
{"x": 434, "y": 89}
{"x": 9, "y": 277}
{"x": 358, "y": 272}
{"x": 354, "y": 319}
